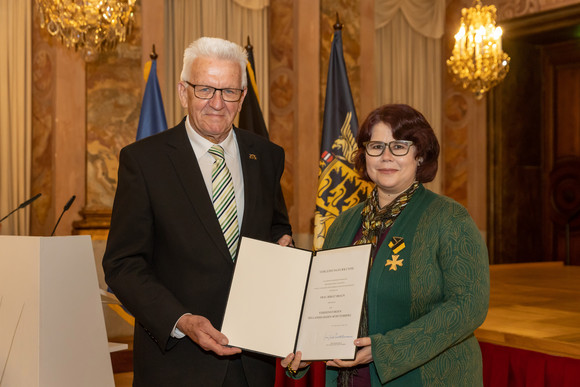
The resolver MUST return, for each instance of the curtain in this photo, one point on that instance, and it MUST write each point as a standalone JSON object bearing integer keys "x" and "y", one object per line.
{"x": 235, "y": 20}
{"x": 15, "y": 113}
{"x": 506, "y": 366}
{"x": 408, "y": 59}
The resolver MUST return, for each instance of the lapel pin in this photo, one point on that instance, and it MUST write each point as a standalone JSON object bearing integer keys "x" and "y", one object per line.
{"x": 253, "y": 157}
{"x": 397, "y": 244}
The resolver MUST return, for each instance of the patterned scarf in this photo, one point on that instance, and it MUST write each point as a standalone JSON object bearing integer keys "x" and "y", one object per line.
{"x": 375, "y": 221}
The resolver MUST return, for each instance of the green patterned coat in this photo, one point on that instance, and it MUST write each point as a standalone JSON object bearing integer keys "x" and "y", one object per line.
{"x": 422, "y": 316}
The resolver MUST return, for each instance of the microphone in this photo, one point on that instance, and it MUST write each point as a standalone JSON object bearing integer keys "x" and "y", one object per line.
{"x": 22, "y": 205}
{"x": 65, "y": 209}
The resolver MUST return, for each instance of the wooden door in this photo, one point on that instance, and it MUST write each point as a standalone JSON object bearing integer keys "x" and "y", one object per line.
{"x": 515, "y": 228}
{"x": 562, "y": 150}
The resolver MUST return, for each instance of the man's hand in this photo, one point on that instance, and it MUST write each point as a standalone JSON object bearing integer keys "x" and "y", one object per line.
{"x": 364, "y": 355}
{"x": 200, "y": 330}
{"x": 285, "y": 240}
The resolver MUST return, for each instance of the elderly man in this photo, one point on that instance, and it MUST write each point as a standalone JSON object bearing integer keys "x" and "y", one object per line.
{"x": 184, "y": 198}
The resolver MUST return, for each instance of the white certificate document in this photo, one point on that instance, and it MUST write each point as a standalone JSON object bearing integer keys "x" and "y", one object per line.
{"x": 333, "y": 303}
{"x": 284, "y": 300}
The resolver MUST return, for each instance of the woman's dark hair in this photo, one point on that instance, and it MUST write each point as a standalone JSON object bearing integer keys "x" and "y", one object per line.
{"x": 407, "y": 124}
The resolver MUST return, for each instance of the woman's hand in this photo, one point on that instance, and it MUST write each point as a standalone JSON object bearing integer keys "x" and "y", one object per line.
{"x": 293, "y": 362}
{"x": 364, "y": 355}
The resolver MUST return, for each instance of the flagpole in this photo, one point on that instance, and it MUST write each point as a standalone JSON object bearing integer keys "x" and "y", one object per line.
{"x": 153, "y": 54}
{"x": 338, "y": 25}
{"x": 249, "y": 46}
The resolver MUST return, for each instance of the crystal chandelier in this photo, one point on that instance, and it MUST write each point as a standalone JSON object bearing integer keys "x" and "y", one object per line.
{"x": 90, "y": 26}
{"x": 478, "y": 62}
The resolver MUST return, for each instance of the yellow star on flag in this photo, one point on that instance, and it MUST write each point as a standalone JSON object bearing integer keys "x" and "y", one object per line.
{"x": 394, "y": 262}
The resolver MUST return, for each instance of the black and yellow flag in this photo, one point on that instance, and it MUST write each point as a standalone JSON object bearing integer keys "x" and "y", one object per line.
{"x": 339, "y": 186}
{"x": 251, "y": 117}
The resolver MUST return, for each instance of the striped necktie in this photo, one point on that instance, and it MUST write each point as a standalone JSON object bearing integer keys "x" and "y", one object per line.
{"x": 224, "y": 199}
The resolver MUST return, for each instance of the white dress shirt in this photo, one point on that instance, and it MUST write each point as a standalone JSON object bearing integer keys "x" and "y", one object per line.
{"x": 205, "y": 160}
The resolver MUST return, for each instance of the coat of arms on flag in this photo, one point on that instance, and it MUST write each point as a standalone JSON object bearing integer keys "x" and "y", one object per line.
{"x": 339, "y": 186}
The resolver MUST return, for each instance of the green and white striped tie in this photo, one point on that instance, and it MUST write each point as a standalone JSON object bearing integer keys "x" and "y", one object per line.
{"x": 224, "y": 199}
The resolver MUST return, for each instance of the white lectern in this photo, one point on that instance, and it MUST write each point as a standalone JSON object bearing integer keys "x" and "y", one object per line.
{"x": 52, "y": 329}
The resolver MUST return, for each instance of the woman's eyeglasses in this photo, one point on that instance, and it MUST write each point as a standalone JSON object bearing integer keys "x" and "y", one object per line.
{"x": 396, "y": 147}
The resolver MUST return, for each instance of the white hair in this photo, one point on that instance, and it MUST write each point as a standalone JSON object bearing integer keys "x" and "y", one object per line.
{"x": 215, "y": 48}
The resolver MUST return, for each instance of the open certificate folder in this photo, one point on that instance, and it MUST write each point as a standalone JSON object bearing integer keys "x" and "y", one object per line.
{"x": 284, "y": 300}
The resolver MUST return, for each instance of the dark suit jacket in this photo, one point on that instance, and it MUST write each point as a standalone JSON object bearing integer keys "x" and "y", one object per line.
{"x": 166, "y": 254}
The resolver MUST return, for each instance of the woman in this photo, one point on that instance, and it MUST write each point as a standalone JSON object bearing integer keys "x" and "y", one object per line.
{"x": 428, "y": 288}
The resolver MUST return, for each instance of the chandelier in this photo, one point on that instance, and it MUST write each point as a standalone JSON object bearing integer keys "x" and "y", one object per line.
{"x": 90, "y": 26}
{"x": 477, "y": 62}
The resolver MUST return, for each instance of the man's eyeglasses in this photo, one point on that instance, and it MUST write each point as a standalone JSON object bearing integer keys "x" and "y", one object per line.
{"x": 207, "y": 92}
{"x": 396, "y": 147}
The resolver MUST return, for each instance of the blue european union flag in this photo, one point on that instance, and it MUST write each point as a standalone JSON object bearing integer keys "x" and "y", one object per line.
{"x": 152, "y": 119}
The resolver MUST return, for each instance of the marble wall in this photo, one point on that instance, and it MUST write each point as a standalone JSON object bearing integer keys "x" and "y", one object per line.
{"x": 58, "y": 132}
{"x": 114, "y": 95}
{"x": 113, "y": 107}
{"x": 460, "y": 109}
{"x": 350, "y": 17}
{"x": 283, "y": 93}
{"x": 83, "y": 114}
{"x": 42, "y": 136}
